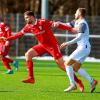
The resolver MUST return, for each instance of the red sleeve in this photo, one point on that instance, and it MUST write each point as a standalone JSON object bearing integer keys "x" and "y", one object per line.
{"x": 64, "y": 27}
{"x": 17, "y": 35}
{"x": 48, "y": 23}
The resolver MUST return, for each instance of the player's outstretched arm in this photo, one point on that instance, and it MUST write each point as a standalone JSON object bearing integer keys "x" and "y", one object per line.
{"x": 62, "y": 26}
{"x": 16, "y": 36}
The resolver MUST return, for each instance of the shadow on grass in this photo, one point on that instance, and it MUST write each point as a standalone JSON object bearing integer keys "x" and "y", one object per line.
{"x": 73, "y": 92}
{"x": 84, "y": 92}
{"x": 7, "y": 91}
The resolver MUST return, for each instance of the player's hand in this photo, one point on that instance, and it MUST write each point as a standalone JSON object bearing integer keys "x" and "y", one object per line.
{"x": 73, "y": 30}
{"x": 63, "y": 45}
{"x": 55, "y": 24}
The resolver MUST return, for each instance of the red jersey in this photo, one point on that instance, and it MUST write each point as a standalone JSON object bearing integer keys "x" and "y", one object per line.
{"x": 4, "y": 31}
{"x": 41, "y": 30}
{"x": 4, "y": 45}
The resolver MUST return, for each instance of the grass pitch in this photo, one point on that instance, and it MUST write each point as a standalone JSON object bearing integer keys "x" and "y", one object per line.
{"x": 50, "y": 83}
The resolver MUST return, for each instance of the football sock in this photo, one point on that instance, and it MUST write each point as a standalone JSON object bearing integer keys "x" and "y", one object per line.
{"x": 6, "y": 64}
{"x": 70, "y": 74}
{"x": 83, "y": 73}
{"x": 76, "y": 79}
{"x": 29, "y": 65}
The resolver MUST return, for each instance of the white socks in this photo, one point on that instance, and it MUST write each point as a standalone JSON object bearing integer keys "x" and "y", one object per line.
{"x": 70, "y": 73}
{"x": 85, "y": 74}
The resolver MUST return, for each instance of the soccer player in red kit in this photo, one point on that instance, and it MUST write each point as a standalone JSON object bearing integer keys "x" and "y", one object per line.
{"x": 4, "y": 48}
{"x": 41, "y": 29}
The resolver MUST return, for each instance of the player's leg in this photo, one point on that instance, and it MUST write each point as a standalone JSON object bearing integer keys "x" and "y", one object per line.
{"x": 73, "y": 58}
{"x": 68, "y": 67}
{"x": 59, "y": 60}
{"x": 76, "y": 67}
{"x": 29, "y": 55}
{"x": 4, "y": 52}
{"x": 33, "y": 52}
{"x": 93, "y": 82}
{"x": 83, "y": 73}
{"x": 60, "y": 63}
{"x": 6, "y": 64}
{"x": 14, "y": 62}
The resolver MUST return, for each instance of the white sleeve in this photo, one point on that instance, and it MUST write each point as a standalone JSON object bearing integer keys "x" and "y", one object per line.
{"x": 77, "y": 38}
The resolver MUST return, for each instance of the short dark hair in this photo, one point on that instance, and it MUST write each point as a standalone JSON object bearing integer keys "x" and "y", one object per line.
{"x": 82, "y": 11}
{"x": 29, "y": 13}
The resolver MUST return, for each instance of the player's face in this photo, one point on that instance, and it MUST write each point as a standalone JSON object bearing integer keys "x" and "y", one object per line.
{"x": 77, "y": 14}
{"x": 29, "y": 19}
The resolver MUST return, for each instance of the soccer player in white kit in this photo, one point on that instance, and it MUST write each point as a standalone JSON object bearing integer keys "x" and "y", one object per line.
{"x": 82, "y": 51}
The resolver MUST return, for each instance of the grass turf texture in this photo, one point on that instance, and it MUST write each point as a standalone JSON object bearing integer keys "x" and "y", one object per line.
{"x": 50, "y": 83}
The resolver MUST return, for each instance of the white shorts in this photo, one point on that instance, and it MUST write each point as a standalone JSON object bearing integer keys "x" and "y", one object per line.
{"x": 80, "y": 54}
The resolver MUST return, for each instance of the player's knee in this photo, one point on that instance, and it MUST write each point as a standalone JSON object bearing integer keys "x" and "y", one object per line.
{"x": 26, "y": 54}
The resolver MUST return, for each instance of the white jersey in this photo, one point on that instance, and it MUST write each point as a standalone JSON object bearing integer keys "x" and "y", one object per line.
{"x": 82, "y": 39}
{"x": 83, "y": 28}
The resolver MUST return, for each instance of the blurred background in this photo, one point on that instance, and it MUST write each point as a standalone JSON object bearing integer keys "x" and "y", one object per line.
{"x": 11, "y": 12}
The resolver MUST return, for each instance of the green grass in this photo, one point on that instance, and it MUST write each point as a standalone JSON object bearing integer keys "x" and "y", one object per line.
{"x": 50, "y": 83}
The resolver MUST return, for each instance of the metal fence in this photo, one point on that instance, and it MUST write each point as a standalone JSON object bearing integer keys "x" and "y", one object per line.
{"x": 20, "y": 46}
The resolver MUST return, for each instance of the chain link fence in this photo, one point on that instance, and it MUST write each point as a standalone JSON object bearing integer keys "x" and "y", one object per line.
{"x": 20, "y": 46}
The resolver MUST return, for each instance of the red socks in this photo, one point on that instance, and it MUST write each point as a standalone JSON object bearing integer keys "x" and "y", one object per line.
{"x": 6, "y": 63}
{"x": 29, "y": 65}
{"x": 76, "y": 79}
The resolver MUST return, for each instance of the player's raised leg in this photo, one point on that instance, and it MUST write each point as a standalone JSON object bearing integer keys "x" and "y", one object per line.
{"x": 70, "y": 73}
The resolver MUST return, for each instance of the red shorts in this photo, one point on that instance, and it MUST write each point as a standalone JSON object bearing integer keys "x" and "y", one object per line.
{"x": 53, "y": 51}
{"x": 4, "y": 50}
